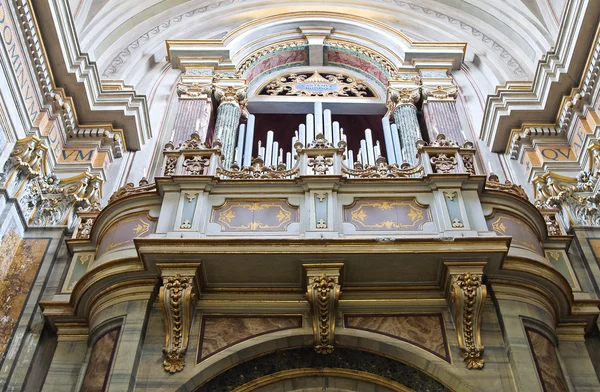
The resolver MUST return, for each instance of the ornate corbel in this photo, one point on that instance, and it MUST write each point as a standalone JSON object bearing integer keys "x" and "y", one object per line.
{"x": 323, "y": 293}
{"x": 178, "y": 299}
{"x": 466, "y": 295}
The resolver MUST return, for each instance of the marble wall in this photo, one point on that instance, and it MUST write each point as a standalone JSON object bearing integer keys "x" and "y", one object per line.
{"x": 546, "y": 362}
{"x": 19, "y": 262}
{"x": 98, "y": 368}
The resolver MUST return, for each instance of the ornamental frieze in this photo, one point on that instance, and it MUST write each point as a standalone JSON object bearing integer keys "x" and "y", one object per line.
{"x": 378, "y": 214}
{"x": 254, "y": 215}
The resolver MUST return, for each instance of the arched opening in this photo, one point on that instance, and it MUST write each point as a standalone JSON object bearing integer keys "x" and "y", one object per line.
{"x": 346, "y": 369}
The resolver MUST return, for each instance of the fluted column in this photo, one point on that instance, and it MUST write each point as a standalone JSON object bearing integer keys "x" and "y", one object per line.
{"x": 194, "y": 110}
{"x": 401, "y": 104}
{"x": 441, "y": 115}
{"x": 232, "y": 104}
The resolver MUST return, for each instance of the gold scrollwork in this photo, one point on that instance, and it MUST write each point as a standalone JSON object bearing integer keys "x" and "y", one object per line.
{"x": 468, "y": 295}
{"x": 177, "y": 299}
{"x": 317, "y": 85}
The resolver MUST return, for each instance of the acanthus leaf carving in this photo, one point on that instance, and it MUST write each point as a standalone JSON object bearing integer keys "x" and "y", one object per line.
{"x": 466, "y": 295}
{"x": 323, "y": 293}
{"x": 177, "y": 299}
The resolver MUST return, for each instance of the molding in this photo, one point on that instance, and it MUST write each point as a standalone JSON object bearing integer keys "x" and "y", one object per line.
{"x": 509, "y": 107}
{"x": 78, "y": 75}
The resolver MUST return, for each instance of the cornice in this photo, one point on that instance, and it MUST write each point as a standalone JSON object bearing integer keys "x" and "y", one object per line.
{"x": 556, "y": 74}
{"x": 59, "y": 57}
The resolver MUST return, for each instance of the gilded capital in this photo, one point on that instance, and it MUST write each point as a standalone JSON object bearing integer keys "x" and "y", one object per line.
{"x": 232, "y": 94}
{"x": 194, "y": 90}
{"x": 399, "y": 95}
{"x": 440, "y": 92}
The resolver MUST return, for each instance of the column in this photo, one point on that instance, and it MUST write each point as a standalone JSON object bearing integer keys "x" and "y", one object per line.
{"x": 232, "y": 104}
{"x": 401, "y": 99}
{"x": 194, "y": 109}
{"x": 441, "y": 116}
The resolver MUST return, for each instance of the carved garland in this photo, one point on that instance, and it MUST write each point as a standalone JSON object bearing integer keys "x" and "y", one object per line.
{"x": 177, "y": 299}
{"x": 323, "y": 294}
{"x": 468, "y": 295}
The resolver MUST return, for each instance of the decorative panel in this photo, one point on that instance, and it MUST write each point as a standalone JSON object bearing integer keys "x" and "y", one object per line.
{"x": 453, "y": 208}
{"x": 123, "y": 231}
{"x": 387, "y": 215}
{"x": 423, "y": 330}
{"x": 254, "y": 215}
{"x": 190, "y": 201}
{"x": 219, "y": 332}
{"x": 559, "y": 260}
{"x": 522, "y": 234}
{"x": 79, "y": 266}
{"x": 546, "y": 362}
{"x": 19, "y": 263}
{"x": 278, "y": 61}
{"x": 101, "y": 359}
{"x": 321, "y": 210}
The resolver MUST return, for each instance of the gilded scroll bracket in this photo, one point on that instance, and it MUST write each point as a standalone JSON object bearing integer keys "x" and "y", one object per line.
{"x": 178, "y": 299}
{"x": 323, "y": 294}
{"x": 466, "y": 295}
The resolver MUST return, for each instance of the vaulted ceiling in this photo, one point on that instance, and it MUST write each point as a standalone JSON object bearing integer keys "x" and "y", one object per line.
{"x": 505, "y": 38}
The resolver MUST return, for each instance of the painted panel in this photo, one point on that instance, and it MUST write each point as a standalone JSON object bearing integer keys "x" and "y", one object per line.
{"x": 19, "y": 263}
{"x": 559, "y": 260}
{"x": 287, "y": 58}
{"x": 101, "y": 359}
{"x": 546, "y": 362}
{"x": 522, "y": 234}
{"x": 387, "y": 215}
{"x": 79, "y": 266}
{"x": 344, "y": 59}
{"x": 219, "y": 332}
{"x": 122, "y": 232}
{"x": 423, "y": 330}
{"x": 252, "y": 215}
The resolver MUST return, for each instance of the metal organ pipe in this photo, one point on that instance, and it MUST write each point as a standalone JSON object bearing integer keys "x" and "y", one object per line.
{"x": 318, "y": 118}
{"x": 249, "y": 141}
{"x": 239, "y": 150}
{"x": 269, "y": 147}
{"x": 389, "y": 143}
{"x": 310, "y": 128}
{"x": 327, "y": 125}
{"x": 369, "y": 140}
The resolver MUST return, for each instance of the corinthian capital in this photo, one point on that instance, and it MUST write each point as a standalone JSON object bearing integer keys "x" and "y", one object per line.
{"x": 232, "y": 94}
{"x": 398, "y": 95}
{"x": 440, "y": 92}
{"x": 194, "y": 90}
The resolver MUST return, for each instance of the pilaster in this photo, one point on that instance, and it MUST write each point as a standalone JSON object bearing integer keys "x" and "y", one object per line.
{"x": 439, "y": 109}
{"x": 195, "y": 108}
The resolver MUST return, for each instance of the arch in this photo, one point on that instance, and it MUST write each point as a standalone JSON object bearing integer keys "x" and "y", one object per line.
{"x": 294, "y": 349}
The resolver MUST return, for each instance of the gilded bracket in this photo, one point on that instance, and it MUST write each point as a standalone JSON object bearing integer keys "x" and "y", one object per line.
{"x": 178, "y": 299}
{"x": 323, "y": 292}
{"x": 466, "y": 295}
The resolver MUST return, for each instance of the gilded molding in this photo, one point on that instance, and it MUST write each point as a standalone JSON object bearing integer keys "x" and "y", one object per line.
{"x": 194, "y": 90}
{"x": 398, "y": 96}
{"x": 177, "y": 299}
{"x": 323, "y": 294}
{"x": 382, "y": 169}
{"x": 130, "y": 189}
{"x": 466, "y": 295}
{"x": 232, "y": 94}
{"x": 330, "y": 85}
{"x": 493, "y": 183}
{"x": 440, "y": 92}
{"x": 258, "y": 170}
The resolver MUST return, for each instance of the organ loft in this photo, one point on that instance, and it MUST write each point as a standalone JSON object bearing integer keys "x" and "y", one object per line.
{"x": 264, "y": 196}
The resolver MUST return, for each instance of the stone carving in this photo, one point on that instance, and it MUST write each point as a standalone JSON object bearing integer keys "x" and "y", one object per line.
{"x": 45, "y": 199}
{"x": 320, "y": 164}
{"x": 401, "y": 96}
{"x": 440, "y": 92}
{"x": 235, "y": 95}
{"x": 178, "y": 302}
{"x": 467, "y": 295}
{"x": 443, "y": 163}
{"x": 493, "y": 183}
{"x": 194, "y": 90}
{"x": 323, "y": 293}
{"x": 317, "y": 85}
{"x": 469, "y": 163}
{"x": 85, "y": 228}
{"x": 195, "y": 165}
